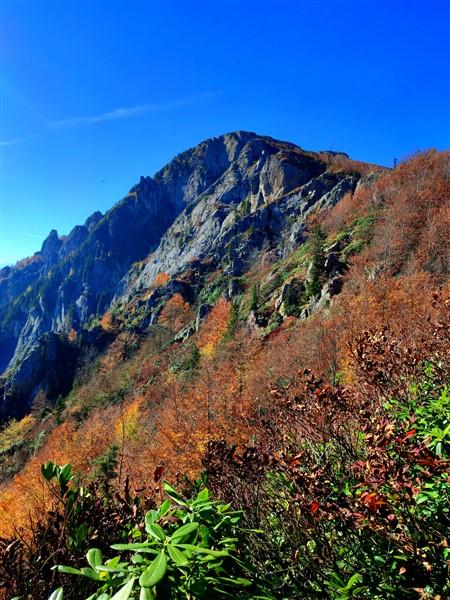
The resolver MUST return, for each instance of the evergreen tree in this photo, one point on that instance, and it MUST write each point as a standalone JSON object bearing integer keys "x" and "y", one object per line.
{"x": 291, "y": 302}
{"x": 60, "y": 405}
{"x": 194, "y": 359}
{"x": 106, "y": 465}
{"x": 234, "y": 318}
{"x": 254, "y": 297}
{"x": 316, "y": 275}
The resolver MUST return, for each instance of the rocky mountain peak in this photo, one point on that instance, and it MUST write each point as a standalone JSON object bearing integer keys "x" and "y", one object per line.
{"x": 92, "y": 221}
{"x": 50, "y": 247}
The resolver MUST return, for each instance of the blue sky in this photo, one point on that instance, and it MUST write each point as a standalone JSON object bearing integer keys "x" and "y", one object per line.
{"x": 95, "y": 94}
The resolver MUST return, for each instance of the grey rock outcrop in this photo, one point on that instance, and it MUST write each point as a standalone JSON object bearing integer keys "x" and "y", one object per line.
{"x": 262, "y": 192}
{"x": 50, "y": 248}
{"x": 202, "y": 313}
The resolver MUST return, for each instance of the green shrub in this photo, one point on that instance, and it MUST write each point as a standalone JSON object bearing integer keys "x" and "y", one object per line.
{"x": 316, "y": 274}
{"x": 189, "y": 550}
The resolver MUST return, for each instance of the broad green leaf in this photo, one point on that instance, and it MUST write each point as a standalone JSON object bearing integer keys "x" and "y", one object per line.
{"x": 154, "y": 572}
{"x": 235, "y": 582}
{"x": 152, "y": 516}
{"x": 354, "y": 579}
{"x": 183, "y": 531}
{"x": 137, "y": 559}
{"x": 203, "y": 495}
{"x": 57, "y": 594}
{"x": 229, "y": 581}
{"x": 212, "y": 561}
{"x": 48, "y": 470}
{"x": 200, "y": 550}
{"x": 66, "y": 472}
{"x": 146, "y": 594}
{"x": 164, "y": 508}
{"x": 205, "y": 507}
{"x": 69, "y": 570}
{"x": 81, "y": 533}
{"x": 172, "y": 493}
{"x": 125, "y": 592}
{"x": 108, "y": 569}
{"x": 90, "y": 573}
{"x": 257, "y": 531}
{"x": 155, "y": 530}
{"x": 177, "y": 556}
{"x": 94, "y": 557}
{"x": 139, "y": 547}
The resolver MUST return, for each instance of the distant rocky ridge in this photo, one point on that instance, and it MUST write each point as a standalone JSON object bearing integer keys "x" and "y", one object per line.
{"x": 221, "y": 203}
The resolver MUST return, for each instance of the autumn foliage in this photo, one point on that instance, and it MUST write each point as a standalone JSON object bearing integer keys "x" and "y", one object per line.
{"x": 176, "y": 313}
{"x": 215, "y": 327}
{"x": 160, "y": 280}
{"x": 309, "y": 405}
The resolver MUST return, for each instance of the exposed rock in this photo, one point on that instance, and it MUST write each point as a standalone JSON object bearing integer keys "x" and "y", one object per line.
{"x": 185, "y": 333}
{"x": 337, "y": 247}
{"x": 291, "y": 297}
{"x": 334, "y": 286}
{"x": 93, "y": 220}
{"x": 202, "y": 313}
{"x": 331, "y": 288}
{"x": 48, "y": 366}
{"x": 50, "y": 248}
{"x": 257, "y": 321}
{"x": 234, "y": 288}
{"x": 332, "y": 264}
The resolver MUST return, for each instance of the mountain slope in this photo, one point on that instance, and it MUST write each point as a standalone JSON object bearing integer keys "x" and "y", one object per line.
{"x": 219, "y": 204}
{"x": 206, "y": 367}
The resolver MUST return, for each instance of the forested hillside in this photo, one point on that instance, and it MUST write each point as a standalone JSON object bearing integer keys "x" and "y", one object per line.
{"x": 267, "y": 367}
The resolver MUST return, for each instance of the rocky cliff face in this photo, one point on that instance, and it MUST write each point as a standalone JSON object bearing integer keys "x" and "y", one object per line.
{"x": 221, "y": 203}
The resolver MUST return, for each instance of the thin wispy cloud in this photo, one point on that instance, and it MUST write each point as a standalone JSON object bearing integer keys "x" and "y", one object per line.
{"x": 19, "y": 140}
{"x": 118, "y": 113}
{"x": 133, "y": 111}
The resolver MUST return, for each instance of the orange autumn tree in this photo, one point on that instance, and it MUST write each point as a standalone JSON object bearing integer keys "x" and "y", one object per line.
{"x": 214, "y": 327}
{"x": 160, "y": 280}
{"x": 211, "y": 405}
{"x": 176, "y": 313}
{"x": 107, "y": 322}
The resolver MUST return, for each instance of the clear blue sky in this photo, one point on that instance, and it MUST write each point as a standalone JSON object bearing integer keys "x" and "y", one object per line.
{"x": 95, "y": 94}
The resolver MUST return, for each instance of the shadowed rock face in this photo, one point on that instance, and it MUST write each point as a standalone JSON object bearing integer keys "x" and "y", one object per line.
{"x": 48, "y": 365}
{"x": 226, "y": 200}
